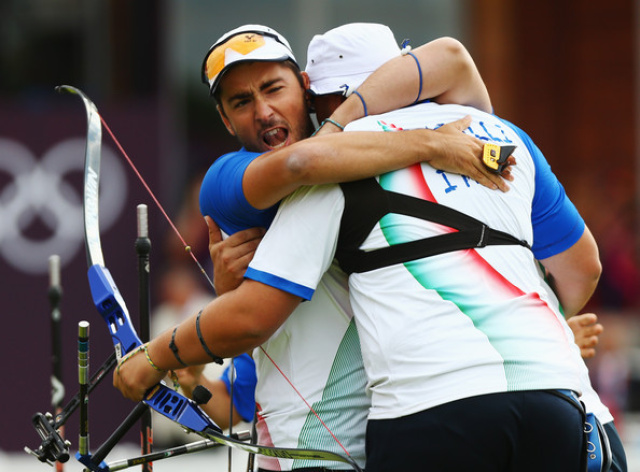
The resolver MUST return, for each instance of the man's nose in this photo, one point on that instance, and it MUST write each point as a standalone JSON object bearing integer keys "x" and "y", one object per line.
{"x": 263, "y": 110}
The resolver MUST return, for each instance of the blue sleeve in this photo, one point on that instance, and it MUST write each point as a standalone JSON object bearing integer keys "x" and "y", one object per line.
{"x": 557, "y": 225}
{"x": 244, "y": 385}
{"x": 222, "y": 197}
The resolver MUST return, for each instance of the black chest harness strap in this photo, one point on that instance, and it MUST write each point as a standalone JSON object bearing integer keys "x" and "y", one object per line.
{"x": 366, "y": 202}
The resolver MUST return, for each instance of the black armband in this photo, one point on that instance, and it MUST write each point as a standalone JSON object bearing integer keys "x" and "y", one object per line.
{"x": 174, "y": 348}
{"x": 216, "y": 359}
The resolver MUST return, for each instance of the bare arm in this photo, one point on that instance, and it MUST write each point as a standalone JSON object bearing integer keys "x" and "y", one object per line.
{"x": 342, "y": 157}
{"x": 231, "y": 324}
{"x": 574, "y": 273}
{"x": 449, "y": 75}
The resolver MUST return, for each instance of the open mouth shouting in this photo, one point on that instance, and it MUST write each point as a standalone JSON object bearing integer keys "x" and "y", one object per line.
{"x": 275, "y": 138}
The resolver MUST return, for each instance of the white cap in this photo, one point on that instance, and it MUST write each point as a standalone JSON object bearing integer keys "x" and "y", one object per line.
{"x": 246, "y": 43}
{"x": 342, "y": 58}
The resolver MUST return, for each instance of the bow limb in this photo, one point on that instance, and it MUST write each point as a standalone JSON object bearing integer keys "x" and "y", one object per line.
{"x": 111, "y": 306}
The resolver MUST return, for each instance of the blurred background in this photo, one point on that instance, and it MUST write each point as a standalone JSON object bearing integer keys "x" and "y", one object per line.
{"x": 564, "y": 70}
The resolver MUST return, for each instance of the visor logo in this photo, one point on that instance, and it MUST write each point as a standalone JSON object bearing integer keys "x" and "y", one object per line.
{"x": 241, "y": 44}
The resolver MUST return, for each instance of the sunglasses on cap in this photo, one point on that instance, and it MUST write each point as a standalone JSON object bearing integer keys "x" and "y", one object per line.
{"x": 244, "y": 46}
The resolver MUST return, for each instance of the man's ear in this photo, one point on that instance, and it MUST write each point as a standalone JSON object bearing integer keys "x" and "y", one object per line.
{"x": 305, "y": 80}
{"x": 308, "y": 95}
{"x": 310, "y": 101}
{"x": 225, "y": 120}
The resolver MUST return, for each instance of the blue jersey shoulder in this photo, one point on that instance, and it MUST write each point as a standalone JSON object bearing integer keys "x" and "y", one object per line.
{"x": 222, "y": 196}
{"x": 557, "y": 225}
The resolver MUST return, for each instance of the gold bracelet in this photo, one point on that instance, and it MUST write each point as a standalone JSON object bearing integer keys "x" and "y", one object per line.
{"x": 127, "y": 356}
{"x": 145, "y": 349}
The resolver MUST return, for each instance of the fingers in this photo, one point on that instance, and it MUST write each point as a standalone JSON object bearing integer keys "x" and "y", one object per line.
{"x": 585, "y": 324}
{"x": 232, "y": 256}
{"x": 506, "y": 174}
{"x": 239, "y": 246}
{"x": 215, "y": 236}
{"x": 585, "y": 319}
{"x": 134, "y": 376}
{"x": 586, "y": 331}
{"x": 245, "y": 236}
{"x": 462, "y": 123}
{"x": 122, "y": 383}
{"x": 489, "y": 179}
{"x": 589, "y": 341}
{"x": 463, "y": 155}
{"x": 594, "y": 330}
{"x": 485, "y": 180}
{"x": 190, "y": 377}
{"x": 587, "y": 345}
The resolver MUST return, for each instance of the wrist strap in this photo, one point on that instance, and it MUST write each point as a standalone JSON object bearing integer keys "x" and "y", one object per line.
{"x": 328, "y": 120}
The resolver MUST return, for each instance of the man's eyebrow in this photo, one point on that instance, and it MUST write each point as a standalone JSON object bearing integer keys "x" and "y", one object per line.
{"x": 240, "y": 96}
{"x": 247, "y": 94}
{"x": 270, "y": 83}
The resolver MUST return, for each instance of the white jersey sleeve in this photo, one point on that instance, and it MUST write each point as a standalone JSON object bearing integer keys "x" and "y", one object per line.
{"x": 301, "y": 243}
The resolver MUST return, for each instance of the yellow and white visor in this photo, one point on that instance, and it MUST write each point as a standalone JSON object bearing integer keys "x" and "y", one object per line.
{"x": 246, "y": 43}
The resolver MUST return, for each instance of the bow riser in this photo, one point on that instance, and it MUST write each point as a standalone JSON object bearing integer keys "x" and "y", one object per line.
{"x": 111, "y": 306}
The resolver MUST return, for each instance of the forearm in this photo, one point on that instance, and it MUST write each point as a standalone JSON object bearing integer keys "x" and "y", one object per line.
{"x": 230, "y": 325}
{"x": 353, "y": 156}
{"x": 344, "y": 157}
{"x": 573, "y": 293}
{"x": 447, "y": 72}
{"x": 574, "y": 274}
{"x": 335, "y": 158}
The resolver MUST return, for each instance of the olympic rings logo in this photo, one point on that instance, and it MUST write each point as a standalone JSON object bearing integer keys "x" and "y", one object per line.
{"x": 42, "y": 193}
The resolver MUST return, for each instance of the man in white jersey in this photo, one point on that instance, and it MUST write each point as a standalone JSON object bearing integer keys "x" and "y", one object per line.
{"x": 571, "y": 265}
{"x": 573, "y": 285}
{"x": 382, "y": 403}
